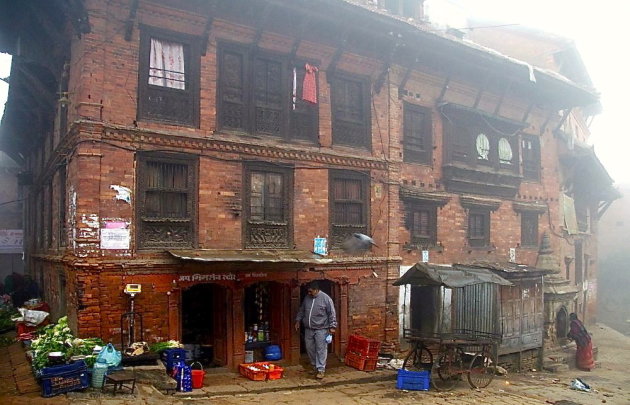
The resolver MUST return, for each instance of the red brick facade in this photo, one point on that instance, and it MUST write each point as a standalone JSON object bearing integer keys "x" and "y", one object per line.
{"x": 106, "y": 136}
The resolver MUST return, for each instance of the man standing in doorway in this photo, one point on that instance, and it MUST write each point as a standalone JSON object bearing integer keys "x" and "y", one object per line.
{"x": 317, "y": 313}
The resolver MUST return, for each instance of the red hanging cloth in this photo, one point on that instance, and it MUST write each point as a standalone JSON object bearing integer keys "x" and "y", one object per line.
{"x": 309, "y": 86}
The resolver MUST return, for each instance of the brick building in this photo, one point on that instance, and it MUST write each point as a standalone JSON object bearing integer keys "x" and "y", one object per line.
{"x": 200, "y": 148}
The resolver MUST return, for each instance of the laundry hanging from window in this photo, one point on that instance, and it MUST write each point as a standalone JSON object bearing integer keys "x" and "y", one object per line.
{"x": 309, "y": 86}
{"x": 166, "y": 67}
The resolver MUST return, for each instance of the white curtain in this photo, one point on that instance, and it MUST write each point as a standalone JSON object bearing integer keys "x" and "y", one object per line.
{"x": 166, "y": 66}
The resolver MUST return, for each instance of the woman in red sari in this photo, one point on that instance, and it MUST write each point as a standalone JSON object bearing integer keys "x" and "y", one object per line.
{"x": 584, "y": 355}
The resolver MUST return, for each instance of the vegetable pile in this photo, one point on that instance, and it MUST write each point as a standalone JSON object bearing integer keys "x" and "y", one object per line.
{"x": 161, "y": 346}
{"x": 59, "y": 338}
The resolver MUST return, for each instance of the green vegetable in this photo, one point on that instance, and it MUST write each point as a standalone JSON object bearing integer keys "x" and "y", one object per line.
{"x": 161, "y": 346}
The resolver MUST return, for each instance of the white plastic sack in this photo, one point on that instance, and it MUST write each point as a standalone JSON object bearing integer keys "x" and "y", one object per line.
{"x": 31, "y": 317}
{"x": 580, "y": 385}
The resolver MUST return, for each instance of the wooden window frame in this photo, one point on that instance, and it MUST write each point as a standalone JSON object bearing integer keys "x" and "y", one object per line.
{"x": 529, "y": 239}
{"x": 462, "y": 130}
{"x": 482, "y": 241}
{"x": 531, "y": 161}
{"x": 265, "y": 233}
{"x": 289, "y": 118}
{"x": 62, "y": 206}
{"x": 187, "y": 99}
{"x": 150, "y": 225}
{"x": 413, "y": 136}
{"x": 430, "y": 239}
{"x": 339, "y": 136}
{"x": 340, "y": 231}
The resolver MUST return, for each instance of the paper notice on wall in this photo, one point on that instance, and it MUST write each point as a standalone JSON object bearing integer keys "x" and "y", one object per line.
{"x": 11, "y": 240}
{"x": 115, "y": 238}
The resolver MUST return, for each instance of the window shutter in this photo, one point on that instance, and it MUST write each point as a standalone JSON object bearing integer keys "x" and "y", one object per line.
{"x": 268, "y": 101}
{"x": 233, "y": 113}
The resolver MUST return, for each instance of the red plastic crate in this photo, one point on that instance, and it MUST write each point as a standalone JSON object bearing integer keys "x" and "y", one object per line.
{"x": 363, "y": 346}
{"x": 359, "y": 362}
{"x": 261, "y": 371}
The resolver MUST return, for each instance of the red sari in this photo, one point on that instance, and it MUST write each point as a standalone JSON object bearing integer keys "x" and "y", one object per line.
{"x": 584, "y": 355}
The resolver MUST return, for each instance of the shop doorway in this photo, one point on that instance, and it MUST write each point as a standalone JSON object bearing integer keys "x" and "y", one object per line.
{"x": 266, "y": 316}
{"x": 334, "y": 292}
{"x": 204, "y": 324}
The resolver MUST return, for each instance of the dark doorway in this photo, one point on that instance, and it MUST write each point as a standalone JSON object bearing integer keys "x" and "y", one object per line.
{"x": 266, "y": 320}
{"x": 204, "y": 323}
{"x": 333, "y": 291}
{"x": 562, "y": 324}
{"x": 424, "y": 309}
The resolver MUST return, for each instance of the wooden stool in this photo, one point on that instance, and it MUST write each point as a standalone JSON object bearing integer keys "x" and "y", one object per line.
{"x": 120, "y": 380}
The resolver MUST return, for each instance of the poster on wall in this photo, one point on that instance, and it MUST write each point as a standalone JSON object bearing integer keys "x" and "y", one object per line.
{"x": 115, "y": 238}
{"x": 11, "y": 240}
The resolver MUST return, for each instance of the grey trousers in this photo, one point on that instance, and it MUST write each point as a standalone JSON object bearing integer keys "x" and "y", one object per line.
{"x": 316, "y": 347}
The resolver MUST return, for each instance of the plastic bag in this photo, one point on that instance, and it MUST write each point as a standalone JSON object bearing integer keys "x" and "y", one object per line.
{"x": 31, "y": 317}
{"x": 111, "y": 356}
{"x": 580, "y": 385}
{"x": 183, "y": 375}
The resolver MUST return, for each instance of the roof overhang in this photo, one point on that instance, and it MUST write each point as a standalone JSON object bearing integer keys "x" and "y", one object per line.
{"x": 511, "y": 270}
{"x": 249, "y": 256}
{"x": 456, "y": 276}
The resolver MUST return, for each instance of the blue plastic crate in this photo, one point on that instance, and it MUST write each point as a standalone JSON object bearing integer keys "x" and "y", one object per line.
{"x": 170, "y": 356}
{"x": 413, "y": 380}
{"x": 60, "y": 379}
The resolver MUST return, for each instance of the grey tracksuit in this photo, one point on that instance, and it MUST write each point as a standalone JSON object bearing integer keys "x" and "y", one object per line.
{"x": 317, "y": 314}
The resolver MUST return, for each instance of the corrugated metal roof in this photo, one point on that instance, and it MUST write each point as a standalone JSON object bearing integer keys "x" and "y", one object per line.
{"x": 449, "y": 276}
{"x": 250, "y": 255}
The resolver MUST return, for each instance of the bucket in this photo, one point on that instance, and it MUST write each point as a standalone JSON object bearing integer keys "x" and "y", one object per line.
{"x": 197, "y": 375}
{"x": 249, "y": 356}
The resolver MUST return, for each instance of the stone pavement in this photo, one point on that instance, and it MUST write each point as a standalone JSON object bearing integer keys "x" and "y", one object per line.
{"x": 344, "y": 385}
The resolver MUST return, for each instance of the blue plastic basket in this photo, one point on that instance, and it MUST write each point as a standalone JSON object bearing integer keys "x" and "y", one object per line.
{"x": 413, "y": 380}
{"x": 59, "y": 379}
{"x": 170, "y": 356}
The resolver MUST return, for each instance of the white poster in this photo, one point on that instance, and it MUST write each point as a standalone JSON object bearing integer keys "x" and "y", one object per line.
{"x": 115, "y": 238}
{"x": 11, "y": 240}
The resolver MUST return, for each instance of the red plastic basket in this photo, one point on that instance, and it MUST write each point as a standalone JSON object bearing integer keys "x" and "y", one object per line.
{"x": 363, "y": 363}
{"x": 363, "y": 346}
{"x": 261, "y": 371}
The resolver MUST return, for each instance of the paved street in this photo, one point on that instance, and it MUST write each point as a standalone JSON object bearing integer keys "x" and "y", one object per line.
{"x": 611, "y": 383}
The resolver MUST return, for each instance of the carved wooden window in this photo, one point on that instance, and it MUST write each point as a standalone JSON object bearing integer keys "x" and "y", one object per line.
{"x": 422, "y": 221}
{"x": 350, "y": 100}
{"x": 168, "y": 88}
{"x": 529, "y": 229}
{"x": 479, "y": 227}
{"x": 417, "y": 142}
{"x": 167, "y": 190}
{"x": 530, "y": 146}
{"x": 349, "y": 193}
{"x": 268, "y": 223}
{"x": 254, "y": 95}
{"x": 477, "y": 140}
{"x": 304, "y": 116}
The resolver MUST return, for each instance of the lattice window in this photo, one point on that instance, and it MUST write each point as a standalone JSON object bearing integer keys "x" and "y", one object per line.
{"x": 167, "y": 189}
{"x": 417, "y": 134}
{"x": 255, "y": 95}
{"x": 350, "y": 111}
{"x": 423, "y": 225}
{"x": 268, "y": 222}
{"x": 529, "y": 229}
{"x": 478, "y": 228}
{"x": 168, "y": 88}
{"x": 349, "y": 208}
{"x": 530, "y": 146}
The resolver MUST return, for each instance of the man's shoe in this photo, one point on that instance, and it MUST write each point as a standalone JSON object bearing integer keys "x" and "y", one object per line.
{"x": 320, "y": 375}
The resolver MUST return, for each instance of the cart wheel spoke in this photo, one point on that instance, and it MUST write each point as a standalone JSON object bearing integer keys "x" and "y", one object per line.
{"x": 446, "y": 370}
{"x": 481, "y": 371}
{"x": 419, "y": 358}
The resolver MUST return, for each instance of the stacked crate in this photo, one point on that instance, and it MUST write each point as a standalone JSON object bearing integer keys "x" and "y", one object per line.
{"x": 362, "y": 353}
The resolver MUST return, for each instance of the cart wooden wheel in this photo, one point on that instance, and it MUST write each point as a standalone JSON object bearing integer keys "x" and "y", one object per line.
{"x": 482, "y": 369}
{"x": 419, "y": 358}
{"x": 446, "y": 370}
